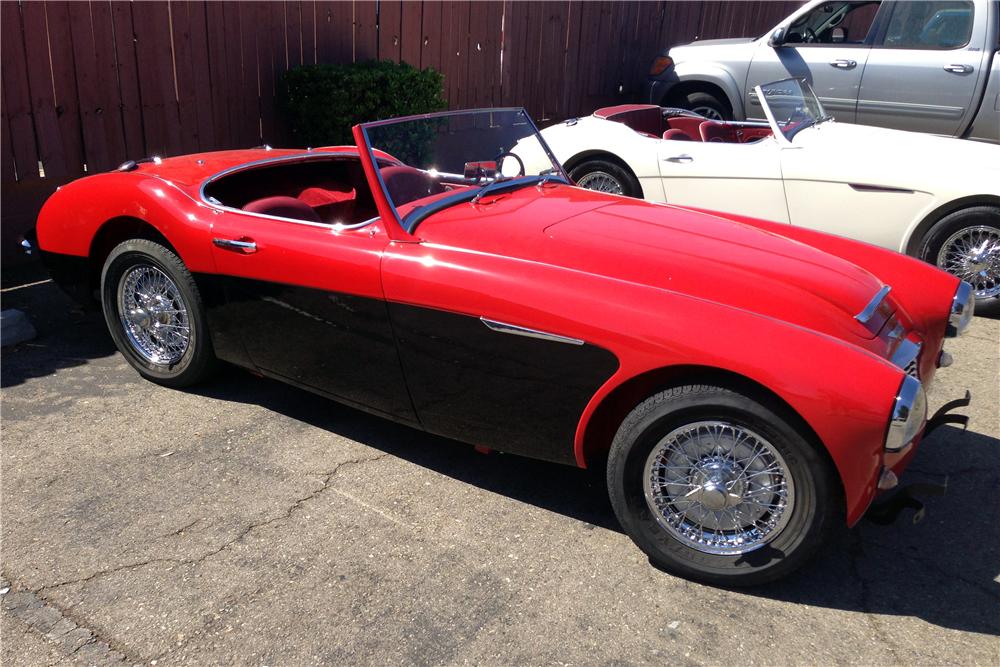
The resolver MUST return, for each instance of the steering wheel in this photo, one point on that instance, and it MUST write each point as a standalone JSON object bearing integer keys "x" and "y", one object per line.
{"x": 808, "y": 35}
{"x": 506, "y": 154}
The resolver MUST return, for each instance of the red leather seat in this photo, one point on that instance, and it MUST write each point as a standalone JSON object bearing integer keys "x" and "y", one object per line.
{"x": 714, "y": 131}
{"x": 324, "y": 196}
{"x": 283, "y": 207}
{"x": 405, "y": 184}
{"x": 645, "y": 118}
{"x": 677, "y": 135}
{"x": 687, "y": 124}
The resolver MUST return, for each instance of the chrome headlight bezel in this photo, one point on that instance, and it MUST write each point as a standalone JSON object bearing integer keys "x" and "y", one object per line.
{"x": 963, "y": 306}
{"x": 909, "y": 411}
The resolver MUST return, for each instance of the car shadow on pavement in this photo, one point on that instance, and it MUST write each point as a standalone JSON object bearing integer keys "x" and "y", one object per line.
{"x": 67, "y": 336}
{"x": 942, "y": 570}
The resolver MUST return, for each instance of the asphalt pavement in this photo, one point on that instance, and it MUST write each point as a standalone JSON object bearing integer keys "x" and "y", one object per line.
{"x": 248, "y": 522}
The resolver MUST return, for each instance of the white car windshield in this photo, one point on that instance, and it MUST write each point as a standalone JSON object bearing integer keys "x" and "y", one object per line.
{"x": 791, "y": 106}
{"x": 449, "y": 158}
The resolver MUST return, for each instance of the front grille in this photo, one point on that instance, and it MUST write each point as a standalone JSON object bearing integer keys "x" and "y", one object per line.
{"x": 907, "y": 356}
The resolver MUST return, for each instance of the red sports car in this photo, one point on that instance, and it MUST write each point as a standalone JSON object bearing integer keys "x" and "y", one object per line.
{"x": 747, "y": 385}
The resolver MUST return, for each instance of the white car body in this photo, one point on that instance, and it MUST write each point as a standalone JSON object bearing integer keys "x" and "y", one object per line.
{"x": 886, "y": 187}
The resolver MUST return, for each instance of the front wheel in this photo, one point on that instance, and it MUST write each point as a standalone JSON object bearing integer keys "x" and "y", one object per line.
{"x": 606, "y": 176}
{"x": 154, "y": 312}
{"x": 719, "y": 487}
{"x": 966, "y": 244}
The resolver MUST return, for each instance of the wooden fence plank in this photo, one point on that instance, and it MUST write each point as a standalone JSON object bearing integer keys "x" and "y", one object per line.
{"x": 249, "y": 91}
{"x": 218, "y": 70}
{"x": 390, "y": 23}
{"x": 430, "y": 47}
{"x": 60, "y": 47}
{"x": 130, "y": 109}
{"x": 365, "y": 30}
{"x": 160, "y": 117}
{"x": 187, "y": 103}
{"x": 307, "y": 15}
{"x": 18, "y": 97}
{"x": 198, "y": 80}
{"x": 411, "y": 32}
{"x": 334, "y": 31}
{"x": 293, "y": 33}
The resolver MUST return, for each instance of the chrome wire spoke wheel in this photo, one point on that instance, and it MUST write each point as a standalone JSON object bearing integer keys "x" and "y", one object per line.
{"x": 973, "y": 254}
{"x": 153, "y": 315}
{"x": 718, "y": 487}
{"x": 601, "y": 181}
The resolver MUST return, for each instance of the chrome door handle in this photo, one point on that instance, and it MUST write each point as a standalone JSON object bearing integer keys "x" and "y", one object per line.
{"x": 679, "y": 158}
{"x": 243, "y": 245}
{"x": 958, "y": 69}
{"x": 843, "y": 63}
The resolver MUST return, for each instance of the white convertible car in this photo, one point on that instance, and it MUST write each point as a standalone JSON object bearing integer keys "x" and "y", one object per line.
{"x": 931, "y": 197}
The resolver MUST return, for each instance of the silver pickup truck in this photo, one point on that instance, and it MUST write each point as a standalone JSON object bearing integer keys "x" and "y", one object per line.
{"x": 924, "y": 65}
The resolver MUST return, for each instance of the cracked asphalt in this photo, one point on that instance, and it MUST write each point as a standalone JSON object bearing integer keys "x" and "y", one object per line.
{"x": 249, "y": 522}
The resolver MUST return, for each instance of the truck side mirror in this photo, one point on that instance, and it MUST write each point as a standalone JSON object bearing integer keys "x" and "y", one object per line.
{"x": 777, "y": 38}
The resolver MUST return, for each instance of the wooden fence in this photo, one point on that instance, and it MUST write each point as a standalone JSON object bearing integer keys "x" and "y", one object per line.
{"x": 87, "y": 85}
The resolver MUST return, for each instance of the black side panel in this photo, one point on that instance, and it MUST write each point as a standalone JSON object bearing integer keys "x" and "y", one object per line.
{"x": 512, "y": 393}
{"x": 338, "y": 344}
{"x": 223, "y": 325}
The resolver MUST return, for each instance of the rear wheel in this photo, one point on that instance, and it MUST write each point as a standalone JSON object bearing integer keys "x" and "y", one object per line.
{"x": 605, "y": 176}
{"x": 155, "y": 315}
{"x": 966, "y": 244}
{"x": 719, "y": 487}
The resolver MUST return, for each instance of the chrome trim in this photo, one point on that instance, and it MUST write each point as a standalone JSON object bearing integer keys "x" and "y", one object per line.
{"x": 26, "y": 246}
{"x": 907, "y": 355}
{"x": 215, "y": 205}
{"x": 963, "y": 307}
{"x": 873, "y": 305}
{"x": 908, "y": 414}
{"x": 503, "y": 327}
{"x": 246, "y": 246}
{"x": 867, "y": 187}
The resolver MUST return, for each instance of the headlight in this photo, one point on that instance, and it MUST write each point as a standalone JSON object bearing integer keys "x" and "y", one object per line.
{"x": 962, "y": 307}
{"x": 908, "y": 414}
{"x": 660, "y": 65}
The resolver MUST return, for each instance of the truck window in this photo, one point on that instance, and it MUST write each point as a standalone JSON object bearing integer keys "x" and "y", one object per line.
{"x": 927, "y": 25}
{"x": 834, "y": 23}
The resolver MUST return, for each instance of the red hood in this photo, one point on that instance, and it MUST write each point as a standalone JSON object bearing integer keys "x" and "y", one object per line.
{"x": 691, "y": 253}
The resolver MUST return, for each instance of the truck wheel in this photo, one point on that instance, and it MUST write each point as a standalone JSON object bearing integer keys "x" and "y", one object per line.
{"x": 966, "y": 244}
{"x": 706, "y": 104}
{"x": 606, "y": 176}
{"x": 716, "y": 486}
{"x": 154, "y": 312}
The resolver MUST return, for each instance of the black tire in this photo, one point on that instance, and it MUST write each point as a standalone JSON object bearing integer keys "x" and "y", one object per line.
{"x": 816, "y": 494}
{"x": 954, "y": 223}
{"x": 623, "y": 177}
{"x": 198, "y": 358}
{"x": 706, "y": 104}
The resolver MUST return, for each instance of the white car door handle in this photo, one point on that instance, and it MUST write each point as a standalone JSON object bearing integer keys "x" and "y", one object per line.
{"x": 843, "y": 63}
{"x": 679, "y": 158}
{"x": 958, "y": 69}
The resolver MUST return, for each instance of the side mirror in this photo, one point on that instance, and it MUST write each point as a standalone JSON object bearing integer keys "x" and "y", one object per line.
{"x": 777, "y": 37}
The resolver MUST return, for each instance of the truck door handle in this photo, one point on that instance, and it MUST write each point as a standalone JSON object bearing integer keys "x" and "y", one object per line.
{"x": 679, "y": 158}
{"x": 843, "y": 63}
{"x": 244, "y": 244}
{"x": 958, "y": 69}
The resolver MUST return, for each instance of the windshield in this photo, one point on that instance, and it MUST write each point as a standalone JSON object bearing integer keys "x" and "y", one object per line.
{"x": 456, "y": 157}
{"x": 791, "y": 106}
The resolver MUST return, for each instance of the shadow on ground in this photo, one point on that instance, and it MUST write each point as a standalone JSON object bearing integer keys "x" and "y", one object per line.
{"x": 943, "y": 570}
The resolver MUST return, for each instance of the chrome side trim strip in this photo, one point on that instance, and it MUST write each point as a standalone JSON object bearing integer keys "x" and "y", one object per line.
{"x": 873, "y": 305}
{"x": 907, "y": 355}
{"x": 503, "y": 327}
{"x": 866, "y": 187}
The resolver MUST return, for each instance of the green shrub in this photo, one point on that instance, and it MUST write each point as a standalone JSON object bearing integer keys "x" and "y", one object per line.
{"x": 320, "y": 103}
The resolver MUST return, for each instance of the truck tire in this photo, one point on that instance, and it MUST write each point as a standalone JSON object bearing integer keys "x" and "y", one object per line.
{"x": 706, "y": 104}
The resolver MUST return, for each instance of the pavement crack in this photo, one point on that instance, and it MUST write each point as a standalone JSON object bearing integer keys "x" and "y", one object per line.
{"x": 250, "y": 528}
{"x": 855, "y": 553}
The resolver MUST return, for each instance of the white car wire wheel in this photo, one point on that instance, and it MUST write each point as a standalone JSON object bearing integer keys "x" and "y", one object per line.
{"x": 966, "y": 243}
{"x": 155, "y": 315}
{"x": 606, "y": 176}
{"x": 719, "y": 487}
